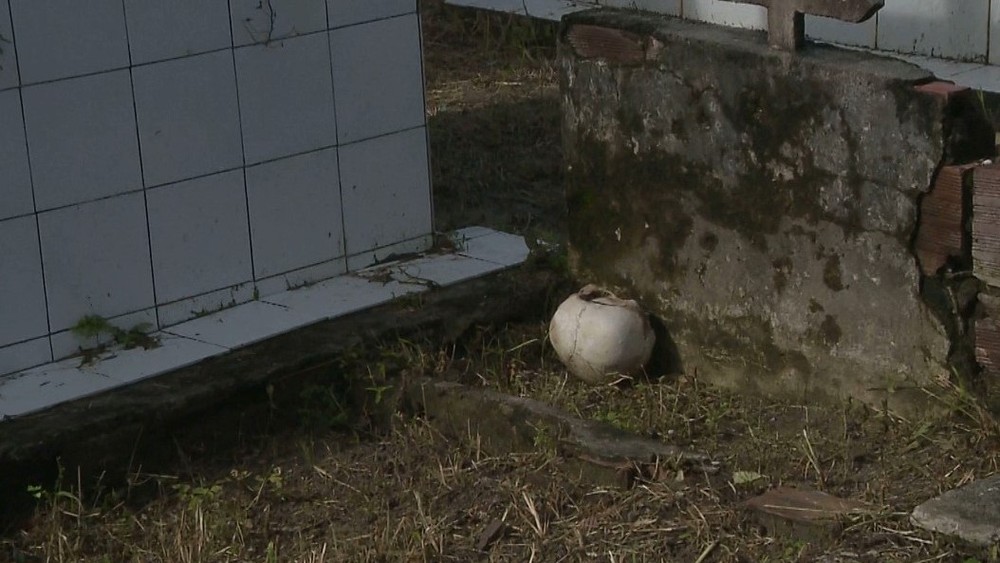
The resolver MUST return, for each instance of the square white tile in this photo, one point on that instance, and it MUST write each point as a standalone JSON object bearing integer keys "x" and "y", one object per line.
{"x": 499, "y": 248}
{"x": 204, "y": 304}
{"x": 96, "y": 259}
{"x": 81, "y": 138}
{"x": 161, "y": 30}
{"x": 350, "y": 12}
{"x": 8, "y": 56}
{"x": 441, "y": 270}
{"x": 171, "y": 353}
{"x": 386, "y": 190}
{"x": 555, "y": 10}
{"x": 257, "y": 21}
{"x": 303, "y": 277}
{"x": 341, "y": 296}
{"x": 295, "y": 216}
{"x": 390, "y": 253}
{"x": 24, "y": 355}
{"x": 726, "y": 13}
{"x": 842, "y": 33}
{"x": 188, "y": 117}
{"x": 670, "y": 7}
{"x": 22, "y": 295}
{"x": 68, "y": 343}
{"x": 377, "y": 77}
{"x": 940, "y": 28}
{"x": 986, "y": 77}
{"x": 243, "y": 324}
{"x": 63, "y": 38}
{"x": 286, "y": 97}
{"x": 15, "y": 197}
{"x": 941, "y": 68}
{"x": 468, "y": 233}
{"x": 49, "y": 385}
{"x": 199, "y": 236}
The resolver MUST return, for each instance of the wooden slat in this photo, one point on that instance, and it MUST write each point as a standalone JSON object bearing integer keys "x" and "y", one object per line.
{"x": 987, "y": 336}
{"x": 986, "y": 224}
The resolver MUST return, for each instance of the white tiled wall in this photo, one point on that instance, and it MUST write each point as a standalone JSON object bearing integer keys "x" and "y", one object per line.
{"x": 942, "y": 28}
{"x": 162, "y": 159}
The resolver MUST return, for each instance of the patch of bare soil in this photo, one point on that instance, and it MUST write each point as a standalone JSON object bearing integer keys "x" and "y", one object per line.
{"x": 334, "y": 473}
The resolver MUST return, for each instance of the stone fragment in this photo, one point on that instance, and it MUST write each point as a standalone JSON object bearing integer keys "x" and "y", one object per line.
{"x": 614, "y": 45}
{"x": 490, "y": 534}
{"x": 970, "y": 512}
{"x": 803, "y": 513}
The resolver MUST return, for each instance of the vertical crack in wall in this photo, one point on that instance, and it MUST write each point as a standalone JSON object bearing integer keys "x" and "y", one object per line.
{"x": 942, "y": 242}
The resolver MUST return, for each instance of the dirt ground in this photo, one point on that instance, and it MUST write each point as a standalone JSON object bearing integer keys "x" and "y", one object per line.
{"x": 331, "y": 478}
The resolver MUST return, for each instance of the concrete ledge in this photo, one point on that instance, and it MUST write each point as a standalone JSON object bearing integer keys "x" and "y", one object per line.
{"x": 479, "y": 251}
{"x": 100, "y": 431}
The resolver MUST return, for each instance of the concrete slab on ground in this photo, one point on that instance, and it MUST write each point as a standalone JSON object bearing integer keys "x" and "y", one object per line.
{"x": 970, "y": 512}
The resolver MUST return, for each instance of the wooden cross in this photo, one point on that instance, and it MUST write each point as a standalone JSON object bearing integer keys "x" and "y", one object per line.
{"x": 786, "y": 18}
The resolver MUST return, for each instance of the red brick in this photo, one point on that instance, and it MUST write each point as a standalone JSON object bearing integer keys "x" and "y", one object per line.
{"x": 942, "y": 89}
{"x": 940, "y": 234}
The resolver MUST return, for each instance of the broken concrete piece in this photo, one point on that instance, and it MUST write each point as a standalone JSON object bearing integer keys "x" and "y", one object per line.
{"x": 971, "y": 512}
{"x": 504, "y": 423}
{"x": 803, "y": 513}
{"x": 490, "y": 534}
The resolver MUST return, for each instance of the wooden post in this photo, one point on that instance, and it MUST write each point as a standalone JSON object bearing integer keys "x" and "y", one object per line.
{"x": 786, "y": 18}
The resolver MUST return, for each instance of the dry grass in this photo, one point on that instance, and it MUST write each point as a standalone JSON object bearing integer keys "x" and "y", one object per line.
{"x": 323, "y": 488}
{"x": 413, "y": 494}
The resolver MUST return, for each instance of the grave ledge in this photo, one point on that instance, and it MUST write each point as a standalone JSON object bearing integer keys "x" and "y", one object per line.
{"x": 233, "y": 360}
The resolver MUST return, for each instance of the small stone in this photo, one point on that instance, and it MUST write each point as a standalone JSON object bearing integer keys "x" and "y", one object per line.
{"x": 971, "y": 512}
{"x": 803, "y": 513}
{"x": 490, "y": 534}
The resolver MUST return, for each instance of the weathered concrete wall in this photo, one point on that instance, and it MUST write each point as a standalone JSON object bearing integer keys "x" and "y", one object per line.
{"x": 762, "y": 203}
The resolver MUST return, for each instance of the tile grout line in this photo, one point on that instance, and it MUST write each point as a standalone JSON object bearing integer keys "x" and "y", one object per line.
{"x": 336, "y": 139}
{"x": 31, "y": 181}
{"x": 206, "y": 175}
{"x": 243, "y": 148}
{"x": 195, "y": 54}
{"x": 142, "y": 169}
{"x": 427, "y": 134}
